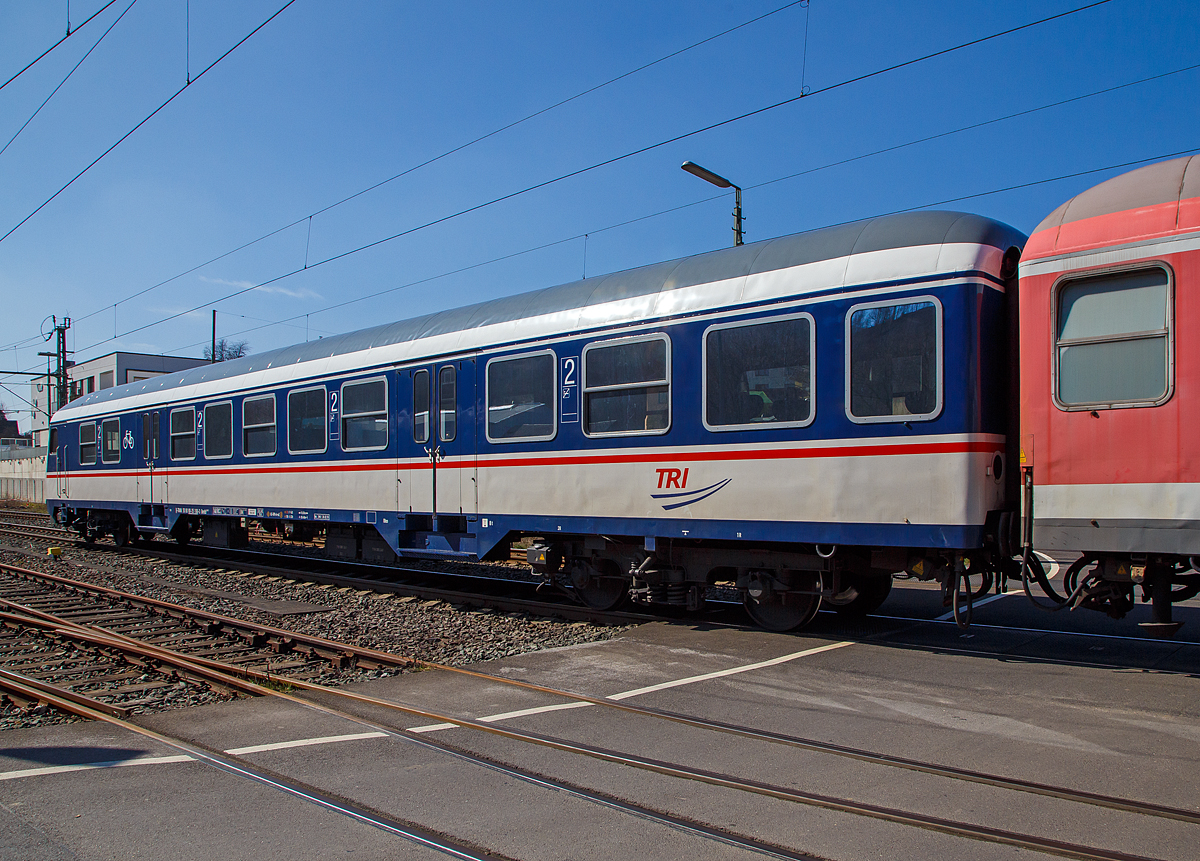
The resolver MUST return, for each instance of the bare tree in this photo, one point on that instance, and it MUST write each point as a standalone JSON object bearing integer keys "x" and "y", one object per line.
{"x": 227, "y": 349}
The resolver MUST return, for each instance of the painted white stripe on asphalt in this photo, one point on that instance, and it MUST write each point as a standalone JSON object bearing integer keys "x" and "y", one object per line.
{"x": 164, "y": 760}
{"x": 732, "y": 671}
{"x": 636, "y": 692}
{"x": 946, "y": 617}
{"x": 88, "y": 766}
{"x": 334, "y": 739}
{"x": 305, "y": 742}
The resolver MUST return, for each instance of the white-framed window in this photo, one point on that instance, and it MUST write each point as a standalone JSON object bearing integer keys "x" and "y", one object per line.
{"x": 760, "y": 374}
{"x": 364, "y": 415}
{"x": 522, "y": 397}
{"x": 308, "y": 422}
{"x": 110, "y": 432}
{"x": 894, "y": 360}
{"x": 218, "y": 430}
{"x": 183, "y": 434}
{"x": 1113, "y": 344}
{"x": 627, "y": 386}
{"x": 258, "y": 426}
{"x": 87, "y": 444}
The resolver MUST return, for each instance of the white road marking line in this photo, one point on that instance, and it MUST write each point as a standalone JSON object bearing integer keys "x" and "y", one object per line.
{"x": 305, "y": 742}
{"x": 164, "y": 760}
{"x": 1054, "y": 568}
{"x": 334, "y": 739}
{"x": 732, "y": 671}
{"x": 690, "y": 680}
{"x": 946, "y": 617}
{"x": 88, "y": 766}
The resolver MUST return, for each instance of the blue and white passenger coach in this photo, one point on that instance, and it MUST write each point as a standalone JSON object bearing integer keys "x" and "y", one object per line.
{"x": 803, "y": 416}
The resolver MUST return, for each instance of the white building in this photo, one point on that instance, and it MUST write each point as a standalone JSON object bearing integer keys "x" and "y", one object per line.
{"x": 115, "y": 369}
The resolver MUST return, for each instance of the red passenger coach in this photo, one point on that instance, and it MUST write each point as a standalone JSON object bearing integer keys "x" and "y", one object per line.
{"x": 1110, "y": 390}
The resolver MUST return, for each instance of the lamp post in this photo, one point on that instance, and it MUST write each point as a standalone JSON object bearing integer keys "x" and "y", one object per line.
{"x": 721, "y": 182}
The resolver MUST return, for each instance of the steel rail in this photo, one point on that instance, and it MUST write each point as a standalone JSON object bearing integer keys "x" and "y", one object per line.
{"x": 242, "y": 768}
{"x": 54, "y": 694}
{"x": 932, "y": 823}
{"x": 241, "y": 678}
{"x": 928, "y": 822}
{"x": 570, "y": 611}
{"x": 245, "y": 559}
{"x": 871, "y": 757}
{"x": 335, "y": 651}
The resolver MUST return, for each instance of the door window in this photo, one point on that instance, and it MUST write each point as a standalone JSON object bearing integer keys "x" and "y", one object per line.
{"x": 421, "y": 406}
{"x": 447, "y": 403}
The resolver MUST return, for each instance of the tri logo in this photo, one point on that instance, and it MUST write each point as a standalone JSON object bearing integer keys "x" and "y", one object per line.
{"x": 671, "y": 477}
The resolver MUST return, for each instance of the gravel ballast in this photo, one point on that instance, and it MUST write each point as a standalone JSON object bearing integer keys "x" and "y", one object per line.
{"x": 430, "y": 631}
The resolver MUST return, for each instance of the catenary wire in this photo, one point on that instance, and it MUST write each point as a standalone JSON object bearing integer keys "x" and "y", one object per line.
{"x": 150, "y": 116}
{"x": 446, "y": 154}
{"x": 606, "y": 162}
{"x": 56, "y": 44}
{"x": 972, "y": 196}
{"x": 67, "y": 78}
{"x": 708, "y": 199}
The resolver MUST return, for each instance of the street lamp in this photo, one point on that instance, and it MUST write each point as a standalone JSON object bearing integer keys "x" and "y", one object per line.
{"x": 721, "y": 182}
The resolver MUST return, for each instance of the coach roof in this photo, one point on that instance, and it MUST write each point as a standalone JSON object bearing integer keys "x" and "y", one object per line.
{"x": 1166, "y": 182}
{"x": 906, "y": 230}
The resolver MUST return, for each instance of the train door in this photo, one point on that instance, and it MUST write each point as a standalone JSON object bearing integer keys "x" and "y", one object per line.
{"x": 152, "y": 484}
{"x": 443, "y": 430}
{"x": 56, "y": 460}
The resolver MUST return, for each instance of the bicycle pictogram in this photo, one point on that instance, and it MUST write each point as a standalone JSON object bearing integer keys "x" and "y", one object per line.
{"x": 127, "y": 442}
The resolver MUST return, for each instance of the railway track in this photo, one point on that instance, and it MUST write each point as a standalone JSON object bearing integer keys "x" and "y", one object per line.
{"x": 40, "y": 615}
{"x": 502, "y": 594}
{"x": 75, "y": 617}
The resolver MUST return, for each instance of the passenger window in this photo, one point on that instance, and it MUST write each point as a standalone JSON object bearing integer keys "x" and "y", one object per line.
{"x": 894, "y": 358}
{"x": 626, "y": 387}
{"x": 364, "y": 415}
{"x": 447, "y": 403}
{"x": 421, "y": 406}
{"x": 258, "y": 426}
{"x": 521, "y": 398}
{"x": 759, "y": 375}
{"x": 110, "y": 430}
{"x": 1113, "y": 339}
{"x": 218, "y": 430}
{"x": 307, "y": 424}
{"x": 183, "y": 434}
{"x": 87, "y": 444}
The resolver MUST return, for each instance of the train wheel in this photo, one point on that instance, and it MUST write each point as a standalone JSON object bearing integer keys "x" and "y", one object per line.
{"x": 872, "y": 592}
{"x": 603, "y": 593}
{"x": 121, "y": 535}
{"x": 781, "y": 611}
{"x": 596, "y": 585}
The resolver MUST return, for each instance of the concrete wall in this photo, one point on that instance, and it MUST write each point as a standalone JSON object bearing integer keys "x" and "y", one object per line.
{"x": 23, "y": 475}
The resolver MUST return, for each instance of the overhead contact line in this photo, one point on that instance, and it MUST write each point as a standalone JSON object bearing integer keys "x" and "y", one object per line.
{"x": 595, "y": 166}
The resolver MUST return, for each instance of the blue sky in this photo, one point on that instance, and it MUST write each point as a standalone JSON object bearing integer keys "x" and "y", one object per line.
{"x": 331, "y": 98}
